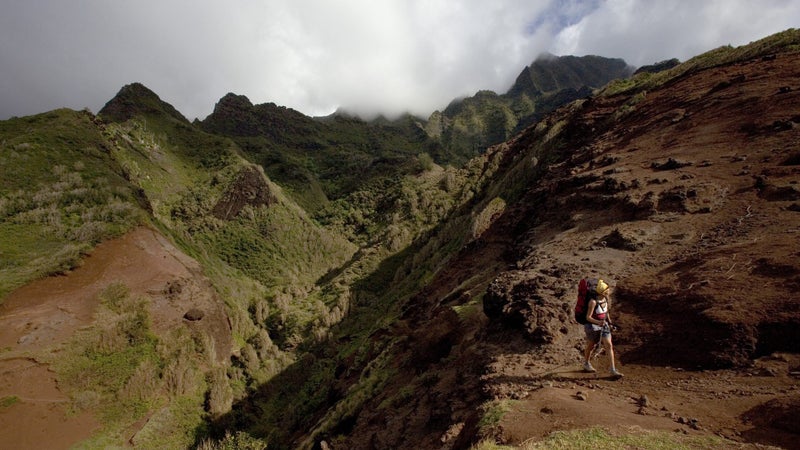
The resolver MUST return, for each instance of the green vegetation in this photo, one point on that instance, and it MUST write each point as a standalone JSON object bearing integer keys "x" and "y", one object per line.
{"x": 120, "y": 369}
{"x": 235, "y": 441}
{"x": 332, "y": 158}
{"x": 470, "y": 311}
{"x": 552, "y": 74}
{"x": 60, "y": 195}
{"x": 322, "y": 159}
{"x": 119, "y": 352}
{"x": 785, "y": 41}
{"x": 8, "y": 401}
{"x": 599, "y": 438}
{"x": 493, "y": 413}
{"x": 307, "y": 395}
{"x": 467, "y": 127}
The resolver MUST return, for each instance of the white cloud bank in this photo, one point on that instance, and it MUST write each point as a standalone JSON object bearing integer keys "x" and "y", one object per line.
{"x": 367, "y": 56}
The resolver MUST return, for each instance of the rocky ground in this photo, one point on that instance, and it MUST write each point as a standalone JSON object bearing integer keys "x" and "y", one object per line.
{"x": 688, "y": 206}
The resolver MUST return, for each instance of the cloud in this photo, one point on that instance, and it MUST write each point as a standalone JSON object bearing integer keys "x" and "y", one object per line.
{"x": 644, "y": 32}
{"x": 316, "y": 56}
{"x": 396, "y": 56}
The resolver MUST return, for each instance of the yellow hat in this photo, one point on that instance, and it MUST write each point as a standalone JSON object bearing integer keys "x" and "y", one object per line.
{"x": 602, "y": 287}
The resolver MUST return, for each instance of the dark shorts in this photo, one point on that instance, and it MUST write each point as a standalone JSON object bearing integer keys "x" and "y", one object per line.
{"x": 595, "y": 335}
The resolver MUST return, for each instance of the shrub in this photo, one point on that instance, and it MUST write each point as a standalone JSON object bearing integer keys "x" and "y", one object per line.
{"x": 238, "y": 441}
{"x": 114, "y": 365}
{"x": 180, "y": 376}
{"x": 114, "y": 295}
{"x": 493, "y": 412}
{"x": 219, "y": 397}
{"x": 85, "y": 400}
{"x": 8, "y": 401}
{"x": 425, "y": 161}
{"x": 143, "y": 382}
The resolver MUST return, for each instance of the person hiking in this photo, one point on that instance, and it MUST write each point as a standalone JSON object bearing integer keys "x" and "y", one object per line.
{"x": 598, "y": 328}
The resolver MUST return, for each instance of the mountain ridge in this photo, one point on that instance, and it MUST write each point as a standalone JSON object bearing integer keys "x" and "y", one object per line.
{"x": 467, "y": 126}
{"x": 136, "y": 99}
{"x": 550, "y": 73}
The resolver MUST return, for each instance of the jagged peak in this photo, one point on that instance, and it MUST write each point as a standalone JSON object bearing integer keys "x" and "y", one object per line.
{"x": 658, "y": 66}
{"x": 550, "y": 73}
{"x": 236, "y": 115}
{"x": 137, "y": 99}
{"x": 233, "y": 100}
{"x": 136, "y": 89}
{"x": 546, "y": 56}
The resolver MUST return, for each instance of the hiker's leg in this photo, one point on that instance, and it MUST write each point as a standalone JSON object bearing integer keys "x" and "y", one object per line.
{"x": 591, "y": 341}
{"x": 610, "y": 347}
{"x": 587, "y": 353}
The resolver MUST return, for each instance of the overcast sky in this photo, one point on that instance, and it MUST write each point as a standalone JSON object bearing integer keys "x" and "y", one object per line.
{"x": 366, "y": 56}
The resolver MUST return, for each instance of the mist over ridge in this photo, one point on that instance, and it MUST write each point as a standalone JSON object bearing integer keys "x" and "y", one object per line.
{"x": 362, "y": 57}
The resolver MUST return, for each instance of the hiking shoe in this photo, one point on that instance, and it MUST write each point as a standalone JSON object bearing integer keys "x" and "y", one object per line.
{"x": 615, "y": 373}
{"x": 587, "y": 367}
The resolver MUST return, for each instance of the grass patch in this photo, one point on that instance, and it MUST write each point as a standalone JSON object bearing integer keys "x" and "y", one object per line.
{"x": 601, "y": 439}
{"x": 121, "y": 371}
{"x": 113, "y": 367}
{"x": 173, "y": 425}
{"x": 234, "y": 441}
{"x": 61, "y": 193}
{"x": 493, "y": 412}
{"x": 489, "y": 444}
{"x": 470, "y": 311}
{"x": 8, "y": 401}
{"x": 28, "y": 252}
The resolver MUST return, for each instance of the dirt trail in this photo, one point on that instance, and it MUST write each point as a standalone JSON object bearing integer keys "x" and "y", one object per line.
{"x": 727, "y": 403}
{"x": 36, "y": 319}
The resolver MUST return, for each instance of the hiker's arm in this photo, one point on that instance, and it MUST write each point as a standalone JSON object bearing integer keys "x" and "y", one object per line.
{"x": 590, "y": 312}
{"x": 609, "y": 322}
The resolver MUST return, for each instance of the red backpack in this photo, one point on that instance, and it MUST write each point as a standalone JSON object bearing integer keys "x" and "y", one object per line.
{"x": 587, "y": 290}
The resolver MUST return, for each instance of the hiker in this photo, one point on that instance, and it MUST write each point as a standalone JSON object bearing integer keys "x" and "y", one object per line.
{"x": 598, "y": 327}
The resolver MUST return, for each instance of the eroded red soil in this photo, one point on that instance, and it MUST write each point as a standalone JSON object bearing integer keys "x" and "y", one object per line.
{"x": 37, "y": 319}
{"x": 696, "y": 224}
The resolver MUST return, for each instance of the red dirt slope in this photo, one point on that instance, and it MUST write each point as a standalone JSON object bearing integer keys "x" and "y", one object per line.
{"x": 689, "y": 204}
{"x": 38, "y": 318}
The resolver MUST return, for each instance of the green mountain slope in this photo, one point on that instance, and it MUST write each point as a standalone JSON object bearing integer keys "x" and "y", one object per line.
{"x": 316, "y": 160}
{"x": 285, "y": 277}
{"x": 221, "y": 205}
{"x": 468, "y": 126}
{"x": 61, "y": 193}
{"x": 549, "y": 74}
{"x": 70, "y": 180}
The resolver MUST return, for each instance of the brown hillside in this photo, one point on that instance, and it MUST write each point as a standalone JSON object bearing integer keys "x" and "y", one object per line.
{"x": 39, "y": 318}
{"x": 684, "y": 198}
